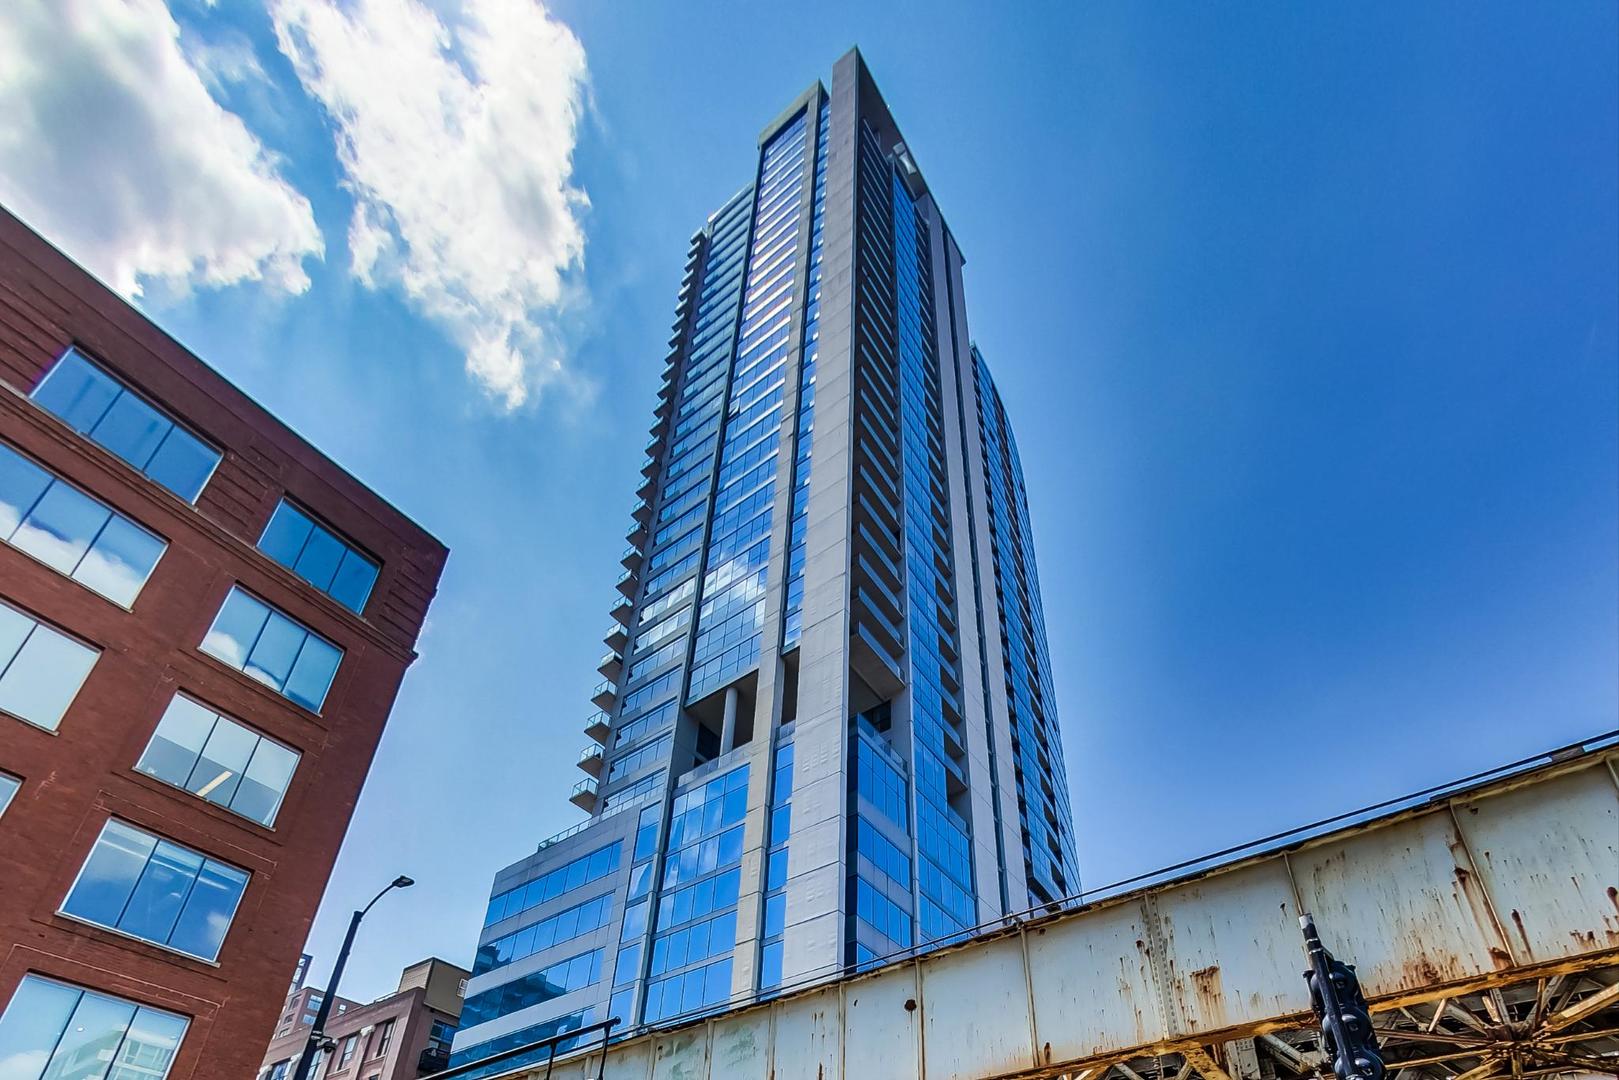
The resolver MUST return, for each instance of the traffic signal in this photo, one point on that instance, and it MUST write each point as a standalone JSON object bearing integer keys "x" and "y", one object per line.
{"x": 1346, "y": 1022}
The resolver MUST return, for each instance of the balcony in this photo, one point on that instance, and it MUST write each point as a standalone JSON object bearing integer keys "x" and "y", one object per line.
{"x": 630, "y": 558}
{"x": 611, "y": 664}
{"x": 604, "y": 695}
{"x": 598, "y": 726}
{"x": 627, "y": 582}
{"x": 622, "y": 609}
{"x": 584, "y": 796}
{"x": 637, "y": 534}
{"x": 434, "y": 1059}
{"x": 616, "y": 637}
{"x": 641, "y": 511}
{"x": 649, "y": 466}
{"x": 591, "y": 759}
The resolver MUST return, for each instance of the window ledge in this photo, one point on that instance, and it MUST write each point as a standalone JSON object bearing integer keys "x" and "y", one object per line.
{"x": 125, "y": 936}
{"x": 262, "y": 688}
{"x": 212, "y": 809}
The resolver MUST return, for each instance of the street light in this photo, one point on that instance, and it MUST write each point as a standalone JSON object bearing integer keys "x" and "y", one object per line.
{"x": 317, "y": 1032}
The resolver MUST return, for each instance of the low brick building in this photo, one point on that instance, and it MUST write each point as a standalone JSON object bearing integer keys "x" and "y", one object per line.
{"x": 402, "y": 1036}
{"x": 204, "y": 623}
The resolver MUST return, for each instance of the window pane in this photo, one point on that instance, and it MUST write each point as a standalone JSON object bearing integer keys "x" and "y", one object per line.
{"x": 120, "y": 561}
{"x": 178, "y": 741}
{"x": 110, "y": 874}
{"x": 8, "y": 788}
{"x": 183, "y": 464}
{"x": 320, "y": 557}
{"x": 77, "y": 391}
{"x": 155, "y": 903}
{"x": 208, "y": 910}
{"x": 285, "y": 655}
{"x": 59, "y": 530}
{"x": 97, "y": 1024}
{"x": 770, "y": 965}
{"x": 236, "y": 628}
{"x": 265, "y": 782}
{"x": 40, "y": 683}
{"x": 14, "y": 628}
{"x": 691, "y": 994}
{"x": 284, "y": 537}
{"x": 131, "y": 429}
{"x": 352, "y": 586}
{"x": 224, "y": 759}
{"x": 149, "y": 1049}
{"x": 717, "y": 980}
{"x": 277, "y": 647}
{"x": 32, "y": 1023}
{"x": 775, "y": 914}
{"x": 21, "y": 484}
{"x": 312, "y": 677}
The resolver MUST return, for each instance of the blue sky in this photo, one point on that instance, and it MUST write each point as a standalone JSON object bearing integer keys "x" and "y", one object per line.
{"x": 1307, "y": 317}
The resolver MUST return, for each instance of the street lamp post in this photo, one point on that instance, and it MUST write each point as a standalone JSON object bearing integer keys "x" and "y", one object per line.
{"x": 317, "y": 1032}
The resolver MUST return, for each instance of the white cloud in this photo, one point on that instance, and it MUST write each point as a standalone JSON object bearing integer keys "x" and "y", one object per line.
{"x": 457, "y": 143}
{"x": 112, "y": 146}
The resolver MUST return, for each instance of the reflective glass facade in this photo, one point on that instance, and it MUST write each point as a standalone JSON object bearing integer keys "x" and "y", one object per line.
{"x": 1035, "y": 741}
{"x": 803, "y": 748}
{"x": 734, "y": 578}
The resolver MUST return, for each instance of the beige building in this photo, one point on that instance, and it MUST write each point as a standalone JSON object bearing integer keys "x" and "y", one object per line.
{"x": 402, "y": 1036}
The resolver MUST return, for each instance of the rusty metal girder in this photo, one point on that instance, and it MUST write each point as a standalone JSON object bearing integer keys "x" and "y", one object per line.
{"x": 1484, "y": 927}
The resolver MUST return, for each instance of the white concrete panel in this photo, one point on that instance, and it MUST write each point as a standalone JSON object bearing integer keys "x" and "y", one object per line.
{"x": 741, "y": 1045}
{"x": 1233, "y": 948}
{"x": 808, "y": 1041}
{"x": 1402, "y": 902}
{"x": 1549, "y": 855}
{"x": 817, "y": 836}
{"x": 881, "y": 1035}
{"x": 810, "y": 948}
{"x": 680, "y": 1056}
{"x": 975, "y": 1020}
{"x": 1093, "y": 983}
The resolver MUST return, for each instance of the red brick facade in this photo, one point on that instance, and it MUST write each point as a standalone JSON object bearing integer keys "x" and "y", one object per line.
{"x": 75, "y": 778}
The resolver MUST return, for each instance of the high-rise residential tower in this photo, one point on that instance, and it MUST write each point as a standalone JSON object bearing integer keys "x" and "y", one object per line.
{"x": 827, "y": 733}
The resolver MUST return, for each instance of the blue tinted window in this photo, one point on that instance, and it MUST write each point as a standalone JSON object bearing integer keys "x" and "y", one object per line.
{"x": 61, "y": 527}
{"x": 72, "y": 532}
{"x": 52, "y": 1030}
{"x": 561, "y": 927}
{"x": 319, "y": 556}
{"x": 594, "y": 864}
{"x": 770, "y": 966}
{"x": 77, "y": 391}
{"x": 563, "y": 977}
{"x": 92, "y": 402}
{"x": 41, "y": 669}
{"x": 534, "y": 1033}
{"x": 273, "y": 648}
{"x": 156, "y": 890}
{"x": 219, "y": 759}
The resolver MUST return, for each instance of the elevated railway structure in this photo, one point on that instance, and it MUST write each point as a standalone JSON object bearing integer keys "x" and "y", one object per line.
{"x": 1483, "y": 920}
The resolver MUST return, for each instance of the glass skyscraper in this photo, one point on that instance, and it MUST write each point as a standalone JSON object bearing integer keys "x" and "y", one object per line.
{"x": 827, "y": 735}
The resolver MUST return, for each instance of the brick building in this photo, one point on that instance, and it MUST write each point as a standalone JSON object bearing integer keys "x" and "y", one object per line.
{"x": 402, "y": 1036}
{"x": 203, "y": 626}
